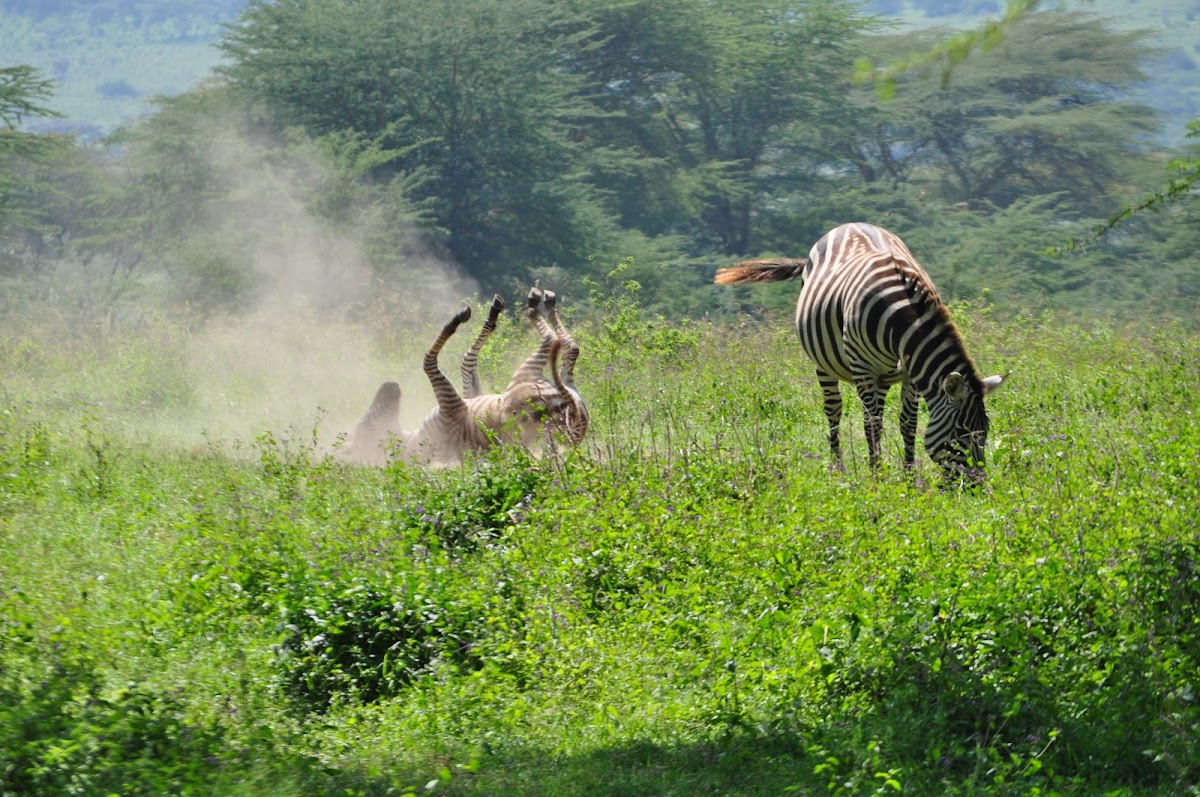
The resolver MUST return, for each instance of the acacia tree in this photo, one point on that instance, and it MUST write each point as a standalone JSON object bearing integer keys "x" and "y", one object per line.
{"x": 702, "y": 94}
{"x": 1060, "y": 118}
{"x": 470, "y": 89}
{"x": 23, "y": 92}
{"x": 1042, "y": 132}
{"x": 948, "y": 52}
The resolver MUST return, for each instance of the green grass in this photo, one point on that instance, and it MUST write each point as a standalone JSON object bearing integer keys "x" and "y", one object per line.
{"x": 692, "y": 605}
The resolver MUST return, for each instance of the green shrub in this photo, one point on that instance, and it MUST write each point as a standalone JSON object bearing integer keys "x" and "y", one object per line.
{"x": 460, "y": 508}
{"x": 362, "y": 638}
{"x": 63, "y": 733}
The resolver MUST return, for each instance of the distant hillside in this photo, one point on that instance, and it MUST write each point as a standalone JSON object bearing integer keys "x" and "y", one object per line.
{"x": 110, "y": 56}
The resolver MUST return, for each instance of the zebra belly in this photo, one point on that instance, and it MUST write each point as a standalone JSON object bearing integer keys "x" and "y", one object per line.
{"x": 841, "y": 348}
{"x": 820, "y": 325}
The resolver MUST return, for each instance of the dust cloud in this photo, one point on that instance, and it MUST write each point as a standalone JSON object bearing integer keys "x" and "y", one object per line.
{"x": 323, "y": 328}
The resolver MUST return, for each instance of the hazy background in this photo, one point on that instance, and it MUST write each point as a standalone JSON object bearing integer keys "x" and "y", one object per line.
{"x": 260, "y": 252}
{"x": 295, "y": 348}
{"x": 110, "y": 56}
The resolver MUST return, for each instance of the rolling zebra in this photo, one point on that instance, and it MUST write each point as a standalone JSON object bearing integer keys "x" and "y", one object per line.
{"x": 531, "y": 409}
{"x": 868, "y": 314}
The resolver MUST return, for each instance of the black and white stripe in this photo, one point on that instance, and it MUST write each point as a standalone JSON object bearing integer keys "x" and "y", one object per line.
{"x": 470, "y": 361}
{"x": 869, "y": 314}
{"x": 531, "y": 409}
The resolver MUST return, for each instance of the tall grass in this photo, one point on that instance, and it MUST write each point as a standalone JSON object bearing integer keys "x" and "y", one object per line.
{"x": 692, "y": 603}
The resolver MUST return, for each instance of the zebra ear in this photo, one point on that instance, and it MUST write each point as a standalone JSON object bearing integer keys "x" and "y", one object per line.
{"x": 955, "y": 387}
{"x": 992, "y": 382}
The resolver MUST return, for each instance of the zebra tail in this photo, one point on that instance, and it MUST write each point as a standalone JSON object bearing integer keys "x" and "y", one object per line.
{"x": 773, "y": 270}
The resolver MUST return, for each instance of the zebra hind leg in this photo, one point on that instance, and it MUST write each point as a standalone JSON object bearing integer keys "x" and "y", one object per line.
{"x": 832, "y": 393}
{"x": 534, "y": 367}
{"x": 448, "y": 398}
{"x": 872, "y": 400}
{"x": 570, "y": 352}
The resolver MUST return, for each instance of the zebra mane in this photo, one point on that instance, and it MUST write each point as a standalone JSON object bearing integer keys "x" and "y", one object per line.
{"x": 922, "y": 292}
{"x": 943, "y": 314}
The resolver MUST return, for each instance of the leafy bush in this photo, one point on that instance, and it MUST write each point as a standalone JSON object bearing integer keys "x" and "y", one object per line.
{"x": 25, "y": 457}
{"x": 363, "y": 638}
{"x": 461, "y": 508}
{"x": 62, "y": 732}
{"x": 692, "y": 602}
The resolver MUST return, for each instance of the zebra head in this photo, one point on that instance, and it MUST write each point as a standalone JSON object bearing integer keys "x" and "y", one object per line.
{"x": 541, "y": 409}
{"x": 573, "y": 418}
{"x": 956, "y": 437}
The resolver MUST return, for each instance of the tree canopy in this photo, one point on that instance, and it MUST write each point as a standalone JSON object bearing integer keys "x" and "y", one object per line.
{"x": 23, "y": 94}
{"x": 523, "y": 138}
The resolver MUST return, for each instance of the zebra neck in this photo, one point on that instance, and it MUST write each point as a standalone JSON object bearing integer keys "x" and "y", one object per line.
{"x": 929, "y": 358}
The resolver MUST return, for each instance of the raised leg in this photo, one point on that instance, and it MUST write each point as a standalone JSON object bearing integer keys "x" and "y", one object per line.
{"x": 832, "y": 394}
{"x": 570, "y": 352}
{"x": 470, "y": 362}
{"x": 534, "y": 367}
{"x": 448, "y": 399}
{"x": 538, "y": 296}
{"x": 574, "y": 414}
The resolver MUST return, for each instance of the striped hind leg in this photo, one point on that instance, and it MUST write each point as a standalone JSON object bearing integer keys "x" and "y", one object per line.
{"x": 832, "y": 394}
{"x": 470, "y": 361}
{"x": 570, "y": 351}
{"x": 872, "y": 395}
{"x": 449, "y": 401}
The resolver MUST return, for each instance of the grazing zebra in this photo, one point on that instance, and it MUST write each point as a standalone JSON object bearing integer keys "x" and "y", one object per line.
{"x": 530, "y": 409}
{"x": 869, "y": 314}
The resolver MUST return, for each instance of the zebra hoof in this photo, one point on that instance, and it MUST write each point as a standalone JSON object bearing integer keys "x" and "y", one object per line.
{"x": 463, "y": 316}
{"x": 535, "y": 297}
{"x": 497, "y": 306}
{"x": 551, "y": 299}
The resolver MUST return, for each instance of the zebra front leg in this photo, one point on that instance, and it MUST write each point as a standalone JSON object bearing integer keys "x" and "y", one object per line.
{"x": 872, "y": 398}
{"x": 832, "y": 393}
{"x": 470, "y": 361}
{"x": 909, "y": 399}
